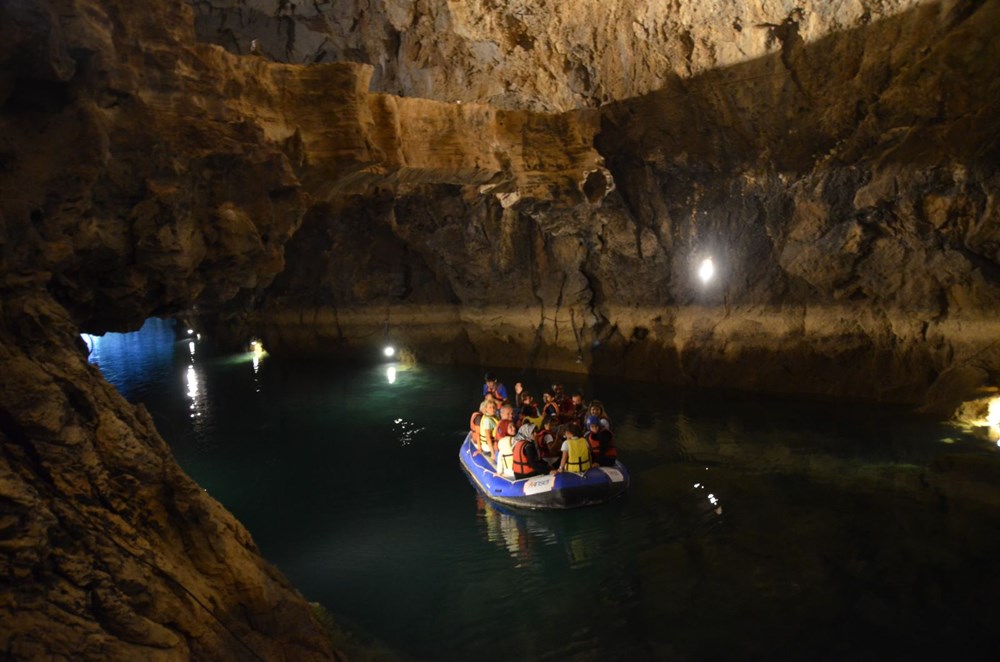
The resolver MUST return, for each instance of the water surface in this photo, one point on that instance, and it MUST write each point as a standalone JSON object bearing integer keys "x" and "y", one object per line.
{"x": 756, "y": 528}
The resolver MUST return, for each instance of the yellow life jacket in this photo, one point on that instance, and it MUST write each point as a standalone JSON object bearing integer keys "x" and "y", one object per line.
{"x": 578, "y": 456}
{"x": 505, "y": 457}
{"x": 486, "y": 423}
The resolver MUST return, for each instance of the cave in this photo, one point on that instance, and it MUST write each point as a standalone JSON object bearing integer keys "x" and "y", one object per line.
{"x": 753, "y": 201}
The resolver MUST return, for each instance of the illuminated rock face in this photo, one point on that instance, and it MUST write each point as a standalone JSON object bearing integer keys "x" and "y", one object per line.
{"x": 837, "y": 161}
{"x": 842, "y": 175}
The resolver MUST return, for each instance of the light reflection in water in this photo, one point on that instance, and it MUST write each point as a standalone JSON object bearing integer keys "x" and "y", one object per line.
{"x": 390, "y": 374}
{"x": 407, "y": 431}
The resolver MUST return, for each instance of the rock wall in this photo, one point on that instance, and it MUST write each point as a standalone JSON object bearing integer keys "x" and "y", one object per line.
{"x": 546, "y": 55}
{"x": 838, "y": 161}
{"x": 143, "y": 173}
{"x": 844, "y": 183}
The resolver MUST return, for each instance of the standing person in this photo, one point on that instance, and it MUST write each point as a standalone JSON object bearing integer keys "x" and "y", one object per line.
{"x": 495, "y": 387}
{"x": 575, "y": 451}
{"x": 525, "y": 454}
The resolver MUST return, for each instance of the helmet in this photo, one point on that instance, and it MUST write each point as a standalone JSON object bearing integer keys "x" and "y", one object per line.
{"x": 593, "y": 420}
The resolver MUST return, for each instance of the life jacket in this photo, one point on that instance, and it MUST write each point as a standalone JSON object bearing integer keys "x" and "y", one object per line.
{"x": 542, "y": 438}
{"x": 608, "y": 450}
{"x": 521, "y": 461}
{"x": 505, "y": 456}
{"x": 602, "y": 447}
{"x": 550, "y": 409}
{"x": 578, "y": 456}
{"x": 474, "y": 425}
{"x": 595, "y": 444}
{"x": 535, "y": 420}
{"x": 484, "y": 442}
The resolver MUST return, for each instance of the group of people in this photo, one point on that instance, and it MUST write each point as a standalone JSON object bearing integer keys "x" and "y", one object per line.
{"x": 523, "y": 437}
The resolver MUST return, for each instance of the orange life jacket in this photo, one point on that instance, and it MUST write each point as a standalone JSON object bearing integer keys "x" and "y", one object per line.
{"x": 521, "y": 463}
{"x": 474, "y": 425}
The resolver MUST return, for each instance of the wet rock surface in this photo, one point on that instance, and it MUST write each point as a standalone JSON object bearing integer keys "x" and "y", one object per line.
{"x": 838, "y": 161}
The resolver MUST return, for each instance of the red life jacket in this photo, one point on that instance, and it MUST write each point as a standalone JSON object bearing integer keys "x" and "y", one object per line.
{"x": 521, "y": 463}
{"x": 595, "y": 444}
{"x": 606, "y": 449}
{"x": 543, "y": 446}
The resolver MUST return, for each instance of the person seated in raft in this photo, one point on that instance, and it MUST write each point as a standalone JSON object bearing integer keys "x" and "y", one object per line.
{"x": 529, "y": 411}
{"x": 602, "y": 442}
{"x": 505, "y": 456}
{"x": 506, "y": 426}
{"x": 526, "y": 461}
{"x": 548, "y": 441}
{"x": 596, "y": 408}
{"x": 575, "y": 451}
{"x": 495, "y": 388}
{"x": 560, "y": 397}
{"x": 575, "y": 409}
{"x": 487, "y": 427}
{"x": 549, "y": 406}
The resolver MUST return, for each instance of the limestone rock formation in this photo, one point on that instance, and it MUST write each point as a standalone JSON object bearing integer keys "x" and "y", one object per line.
{"x": 144, "y": 173}
{"x": 838, "y": 161}
{"x": 842, "y": 174}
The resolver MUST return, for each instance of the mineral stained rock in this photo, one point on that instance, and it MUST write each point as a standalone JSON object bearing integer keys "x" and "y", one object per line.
{"x": 838, "y": 162}
{"x": 265, "y": 167}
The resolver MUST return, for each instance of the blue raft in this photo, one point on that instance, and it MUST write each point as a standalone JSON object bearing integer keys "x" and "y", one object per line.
{"x": 563, "y": 490}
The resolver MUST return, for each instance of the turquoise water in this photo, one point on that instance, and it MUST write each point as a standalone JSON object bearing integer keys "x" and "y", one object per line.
{"x": 756, "y": 528}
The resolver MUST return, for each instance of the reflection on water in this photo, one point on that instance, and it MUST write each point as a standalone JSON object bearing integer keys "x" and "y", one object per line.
{"x": 754, "y": 528}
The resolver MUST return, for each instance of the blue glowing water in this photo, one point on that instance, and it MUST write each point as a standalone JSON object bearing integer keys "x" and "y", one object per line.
{"x": 828, "y": 545}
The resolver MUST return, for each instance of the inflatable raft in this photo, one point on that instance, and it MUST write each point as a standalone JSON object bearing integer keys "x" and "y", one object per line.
{"x": 563, "y": 490}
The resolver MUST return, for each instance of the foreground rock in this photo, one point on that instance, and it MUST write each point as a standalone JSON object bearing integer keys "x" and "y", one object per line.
{"x": 107, "y": 550}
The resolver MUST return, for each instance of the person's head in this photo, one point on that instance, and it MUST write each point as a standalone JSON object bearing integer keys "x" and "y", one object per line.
{"x": 558, "y": 388}
{"x": 488, "y": 407}
{"x": 490, "y": 379}
{"x": 526, "y": 398}
{"x": 506, "y": 412}
{"x": 594, "y": 423}
{"x": 596, "y": 408}
{"x": 526, "y": 431}
{"x": 548, "y": 422}
{"x": 577, "y": 399}
{"x": 547, "y": 396}
{"x": 572, "y": 430}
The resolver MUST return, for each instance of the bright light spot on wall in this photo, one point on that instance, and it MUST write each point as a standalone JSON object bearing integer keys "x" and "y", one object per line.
{"x": 190, "y": 332}
{"x": 389, "y": 351}
{"x": 191, "y": 347}
{"x": 390, "y": 374}
{"x": 993, "y": 414}
{"x": 706, "y": 270}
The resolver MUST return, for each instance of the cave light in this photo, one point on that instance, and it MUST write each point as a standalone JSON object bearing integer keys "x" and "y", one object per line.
{"x": 706, "y": 270}
{"x": 190, "y": 332}
{"x": 389, "y": 351}
{"x": 257, "y": 353}
{"x": 993, "y": 414}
